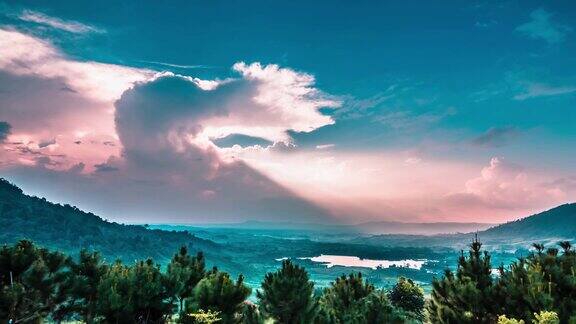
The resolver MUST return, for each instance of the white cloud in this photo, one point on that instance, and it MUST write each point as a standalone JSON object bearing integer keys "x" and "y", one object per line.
{"x": 266, "y": 102}
{"x": 534, "y": 89}
{"x": 179, "y": 66}
{"x": 66, "y": 25}
{"x": 325, "y": 146}
{"x": 542, "y": 27}
{"x": 413, "y": 160}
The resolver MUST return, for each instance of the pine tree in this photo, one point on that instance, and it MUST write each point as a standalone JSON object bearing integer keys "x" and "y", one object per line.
{"x": 218, "y": 292}
{"x": 33, "y": 282}
{"x": 557, "y": 270}
{"x": 134, "y": 294}
{"x": 343, "y": 301}
{"x": 467, "y": 296}
{"x": 521, "y": 290}
{"x": 86, "y": 276}
{"x": 377, "y": 308}
{"x": 250, "y": 314}
{"x": 287, "y": 295}
{"x": 409, "y": 296}
{"x": 184, "y": 272}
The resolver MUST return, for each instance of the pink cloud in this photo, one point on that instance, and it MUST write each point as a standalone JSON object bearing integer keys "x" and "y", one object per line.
{"x": 132, "y": 138}
{"x": 506, "y": 185}
{"x": 30, "y": 56}
{"x": 127, "y": 141}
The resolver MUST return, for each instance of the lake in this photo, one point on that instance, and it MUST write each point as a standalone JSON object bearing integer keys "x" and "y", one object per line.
{"x": 353, "y": 261}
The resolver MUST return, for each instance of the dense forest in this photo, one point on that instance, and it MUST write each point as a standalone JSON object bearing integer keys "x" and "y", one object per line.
{"x": 69, "y": 229}
{"x": 39, "y": 284}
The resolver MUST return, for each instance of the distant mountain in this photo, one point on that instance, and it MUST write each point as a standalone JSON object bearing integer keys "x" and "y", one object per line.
{"x": 549, "y": 227}
{"x": 421, "y": 228}
{"x": 375, "y": 227}
{"x": 69, "y": 229}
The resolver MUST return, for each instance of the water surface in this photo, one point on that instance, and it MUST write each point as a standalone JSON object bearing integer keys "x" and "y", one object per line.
{"x": 353, "y": 261}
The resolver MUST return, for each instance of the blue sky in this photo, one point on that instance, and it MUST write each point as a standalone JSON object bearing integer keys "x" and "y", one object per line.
{"x": 449, "y": 82}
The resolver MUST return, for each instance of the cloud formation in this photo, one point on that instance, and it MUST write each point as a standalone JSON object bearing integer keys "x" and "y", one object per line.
{"x": 65, "y": 25}
{"x": 535, "y": 89}
{"x": 137, "y": 144}
{"x": 542, "y": 27}
{"x": 506, "y": 186}
{"x": 167, "y": 127}
{"x": 495, "y": 136}
{"x": 133, "y": 137}
{"x": 25, "y": 55}
{"x": 53, "y": 102}
{"x": 269, "y": 101}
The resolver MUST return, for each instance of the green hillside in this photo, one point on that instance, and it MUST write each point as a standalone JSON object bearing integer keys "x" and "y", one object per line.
{"x": 70, "y": 229}
{"x": 548, "y": 227}
{"x": 558, "y": 222}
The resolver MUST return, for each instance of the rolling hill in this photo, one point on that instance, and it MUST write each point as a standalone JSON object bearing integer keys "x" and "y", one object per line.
{"x": 548, "y": 227}
{"x": 551, "y": 226}
{"x": 70, "y": 229}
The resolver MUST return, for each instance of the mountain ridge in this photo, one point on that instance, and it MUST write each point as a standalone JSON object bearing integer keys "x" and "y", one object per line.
{"x": 547, "y": 227}
{"x": 71, "y": 229}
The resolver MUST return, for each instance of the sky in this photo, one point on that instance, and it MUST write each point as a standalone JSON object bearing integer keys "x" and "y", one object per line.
{"x": 303, "y": 111}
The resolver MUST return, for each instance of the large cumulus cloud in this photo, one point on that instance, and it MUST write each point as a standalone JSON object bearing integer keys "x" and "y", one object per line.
{"x": 166, "y": 127}
{"x": 503, "y": 186}
{"x": 137, "y": 145}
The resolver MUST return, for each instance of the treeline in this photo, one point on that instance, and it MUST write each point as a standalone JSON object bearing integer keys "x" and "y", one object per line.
{"x": 42, "y": 285}
{"x": 39, "y": 285}
{"x": 540, "y": 288}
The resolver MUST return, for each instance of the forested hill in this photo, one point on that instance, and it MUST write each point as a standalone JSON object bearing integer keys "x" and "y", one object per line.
{"x": 558, "y": 223}
{"x": 548, "y": 227}
{"x": 70, "y": 229}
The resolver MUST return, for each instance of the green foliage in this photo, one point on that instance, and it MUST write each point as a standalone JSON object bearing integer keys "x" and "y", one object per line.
{"x": 134, "y": 294}
{"x": 545, "y": 317}
{"x": 502, "y": 319}
{"x": 287, "y": 295}
{"x": 408, "y": 296}
{"x": 344, "y": 299}
{"x": 350, "y": 299}
{"x": 468, "y": 295}
{"x": 34, "y": 282}
{"x": 377, "y": 308}
{"x": 218, "y": 292}
{"x": 183, "y": 274}
{"x": 40, "y": 285}
{"x": 544, "y": 280}
{"x": 86, "y": 276}
{"x": 50, "y": 286}
{"x": 251, "y": 315}
{"x": 521, "y": 290}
